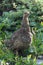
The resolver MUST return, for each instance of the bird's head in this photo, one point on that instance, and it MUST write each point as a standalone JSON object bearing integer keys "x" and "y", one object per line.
{"x": 26, "y": 13}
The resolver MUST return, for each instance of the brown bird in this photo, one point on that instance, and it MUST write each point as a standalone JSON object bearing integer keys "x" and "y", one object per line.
{"x": 22, "y": 38}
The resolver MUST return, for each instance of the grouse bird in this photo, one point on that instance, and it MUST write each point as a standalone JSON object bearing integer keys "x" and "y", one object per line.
{"x": 22, "y": 38}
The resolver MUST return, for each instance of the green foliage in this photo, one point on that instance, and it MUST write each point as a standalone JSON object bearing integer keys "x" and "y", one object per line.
{"x": 25, "y": 61}
{"x": 5, "y": 54}
{"x": 37, "y": 45}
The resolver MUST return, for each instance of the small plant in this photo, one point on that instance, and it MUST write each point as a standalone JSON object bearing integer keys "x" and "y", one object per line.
{"x": 25, "y": 61}
{"x": 6, "y": 54}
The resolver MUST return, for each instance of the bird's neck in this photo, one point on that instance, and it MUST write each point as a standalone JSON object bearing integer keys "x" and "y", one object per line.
{"x": 25, "y": 24}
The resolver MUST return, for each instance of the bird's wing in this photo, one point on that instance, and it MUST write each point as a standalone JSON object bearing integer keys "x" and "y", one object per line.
{"x": 15, "y": 35}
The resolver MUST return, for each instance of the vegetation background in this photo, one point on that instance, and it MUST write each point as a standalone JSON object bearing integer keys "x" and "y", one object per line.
{"x": 11, "y": 12}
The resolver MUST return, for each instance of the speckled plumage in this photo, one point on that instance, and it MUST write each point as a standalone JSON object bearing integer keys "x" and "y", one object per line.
{"x": 22, "y": 38}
